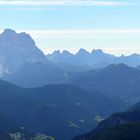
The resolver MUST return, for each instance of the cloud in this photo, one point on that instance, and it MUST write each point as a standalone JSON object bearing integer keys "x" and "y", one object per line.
{"x": 61, "y": 3}
{"x": 76, "y": 33}
{"x": 115, "y": 41}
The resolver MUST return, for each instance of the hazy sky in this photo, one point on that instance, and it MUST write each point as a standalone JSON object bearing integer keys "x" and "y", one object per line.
{"x": 111, "y": 25}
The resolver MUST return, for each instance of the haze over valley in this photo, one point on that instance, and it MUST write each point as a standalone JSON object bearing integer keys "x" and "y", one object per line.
{"x": 69, "y": 70}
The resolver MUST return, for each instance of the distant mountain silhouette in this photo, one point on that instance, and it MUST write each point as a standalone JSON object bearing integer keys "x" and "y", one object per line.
{"x": 67, "y": 61}
{"x": 64, "y": 57}
{"x": 95, "y": 59}
{"x": 16, "y": 48}
{"x": 131, "y": 60}
{"x": 116, "y": 80}
{"x": 22, "y": 63}
{"x": 84, "y": 57}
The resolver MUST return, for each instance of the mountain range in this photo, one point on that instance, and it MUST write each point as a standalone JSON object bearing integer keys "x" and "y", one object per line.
{"x": 59, "y": 111}
{"x": 95, "y": 59}
{"x": 62, "y": 95}
{"x": 23, "y": 64}
{"x": 116, "y": 80}
{"x": 35, "y": 70}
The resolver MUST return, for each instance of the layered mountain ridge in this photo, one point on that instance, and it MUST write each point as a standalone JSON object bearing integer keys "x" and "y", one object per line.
{"x": 116, "y": 80}
{"x": 60, "y": 111}
{"x": 95, "y": 59}
{"x": 63, "y": 91}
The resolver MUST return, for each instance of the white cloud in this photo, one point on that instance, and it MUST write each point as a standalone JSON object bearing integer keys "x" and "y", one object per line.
{"x": 77, "y": 33}
{"x": 61, "y": 3}
{"x": 115, "y": 41}
{"x": 121, "y": 51}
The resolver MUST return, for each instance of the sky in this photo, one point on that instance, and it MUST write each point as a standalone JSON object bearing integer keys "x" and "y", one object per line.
{"x": 110, "y": 25}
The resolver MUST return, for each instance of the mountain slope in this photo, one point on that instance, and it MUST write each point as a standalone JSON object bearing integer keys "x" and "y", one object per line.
{"x": 73, "y": 68}
{"x": 138, "y": 67}
{"x": 9, "y": 130}
{"x": 52, "y": 108}
{"x": 116, "y": 80}
{"x": 131, "y": 60}
{"x": 38, "y": 74}
{"x": 121, "y": 126}
{"x": 128, "y": 131}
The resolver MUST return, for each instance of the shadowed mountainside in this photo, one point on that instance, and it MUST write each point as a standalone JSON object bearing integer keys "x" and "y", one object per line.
{"x": 55, "y": 107}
